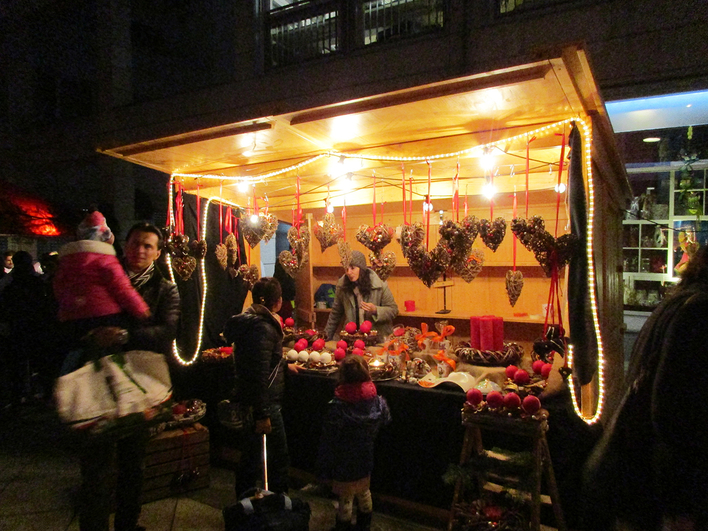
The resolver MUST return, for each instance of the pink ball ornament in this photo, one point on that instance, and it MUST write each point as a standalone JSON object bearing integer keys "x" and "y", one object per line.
{"x": 339, "y": 354}
{"x": 318, "y": 344}
{"x": 359, "y": 344}
{"x": 546, "y": 370}
{"x": 399, "y": 331}
{"x": 495, "y": 399}
{"x": 350, "y": 327}
{"x": 531, "y": 404}
{"x": 357, "y": 352}
{"x": 512, "y": 401}
{"x": 474, "y": 396}
{"x": 342, "y": 344}
{"x": 521, "y": 377}
{"x": 537, "y": 366}
{"x": 311, "y": 332}
{"x": 289, "y": 321}
{"x": 511, "y": 371}
{"x": 300, "y": 344}
{"x": 365, "y": 327}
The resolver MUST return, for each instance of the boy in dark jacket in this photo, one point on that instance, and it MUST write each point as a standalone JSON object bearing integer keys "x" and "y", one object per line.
{"x": 346, "y": 453}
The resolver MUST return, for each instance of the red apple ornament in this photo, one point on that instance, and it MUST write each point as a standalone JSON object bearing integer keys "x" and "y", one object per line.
{"x": 546, "y": 370}
{"x": 495, "y": 399}
{"x": 521, "y": 377}
{"x": 350, "y": 327}
{"x": 474, "y": 396}
{"x": 342, "y": 344}
{"x": 318, "y": 344}
{"x": 511, "y": 371}
{"x": 357, "y": 352}
{"x": 359, "y": 344}
{"x": 290, "y": 322}
{"x": 537, "y": 366}
{"x": 300, "y": 344}
{"x": 512, "y": 401}
{"x": 365, "y": 327}
{"x": 531, "y": 404}
{"x": 339, "y": 354}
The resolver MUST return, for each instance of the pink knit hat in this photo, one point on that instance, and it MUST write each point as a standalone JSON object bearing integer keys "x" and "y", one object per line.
{"x": 94, "y": 227}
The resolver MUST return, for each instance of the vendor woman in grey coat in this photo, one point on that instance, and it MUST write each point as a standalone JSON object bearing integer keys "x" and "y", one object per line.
{"x": 361, "y": 296}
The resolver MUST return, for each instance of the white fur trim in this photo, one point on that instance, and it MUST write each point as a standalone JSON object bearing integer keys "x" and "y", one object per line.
{"x": 87, "y": 246}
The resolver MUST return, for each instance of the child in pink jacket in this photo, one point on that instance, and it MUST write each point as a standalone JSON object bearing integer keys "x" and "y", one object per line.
{"x": 90, "y": 285}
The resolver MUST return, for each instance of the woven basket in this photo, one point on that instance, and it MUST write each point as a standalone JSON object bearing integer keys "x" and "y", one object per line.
{"x": 511, "y": 354}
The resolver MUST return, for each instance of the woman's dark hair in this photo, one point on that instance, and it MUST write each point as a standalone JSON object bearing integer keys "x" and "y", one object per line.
{"x": 696, "y": 269}
{"x": 353, "y": 369}
{"x": 266, "y": 291}
{"x": 364, "y": 282}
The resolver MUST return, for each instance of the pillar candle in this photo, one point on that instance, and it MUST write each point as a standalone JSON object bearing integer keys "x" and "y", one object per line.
{"x": 474, "y": 332}
{"x": 486, "y": 332}
{"x": 498, "y": 328}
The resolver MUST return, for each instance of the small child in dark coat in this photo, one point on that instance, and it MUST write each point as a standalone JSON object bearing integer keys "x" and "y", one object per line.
{"x": 346, "y": 452}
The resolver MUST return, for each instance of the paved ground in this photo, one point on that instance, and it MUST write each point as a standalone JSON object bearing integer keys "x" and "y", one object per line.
{"x": 39, "y": 481}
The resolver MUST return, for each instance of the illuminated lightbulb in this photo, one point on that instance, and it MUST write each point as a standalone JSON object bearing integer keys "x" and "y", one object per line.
{"x": 242, "y": 186}
{"x": 440, "y": 213}
{"x": 254, "y": 218}
{"x": 489, "y": 190}
{"x": 427, "y": 206}
{"x": 487, "y": 160}
{"x": 330, "y": 208}
{"x": 560, "y": 188}
{"x": 348, "y": 182}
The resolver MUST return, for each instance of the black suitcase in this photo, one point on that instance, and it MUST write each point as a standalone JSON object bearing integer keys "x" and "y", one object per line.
{"x": 265, "y": 510}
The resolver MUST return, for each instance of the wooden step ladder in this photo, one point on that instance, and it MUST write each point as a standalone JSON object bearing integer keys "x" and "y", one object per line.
{"x": 529, "y": 429}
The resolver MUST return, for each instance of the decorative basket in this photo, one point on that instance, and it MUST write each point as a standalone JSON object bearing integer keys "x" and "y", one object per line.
{"x": 217, "y": 355}
{"x": 511, "y": 354}
{"x": 370, "y": 338}
{"x": 196, "y": 409}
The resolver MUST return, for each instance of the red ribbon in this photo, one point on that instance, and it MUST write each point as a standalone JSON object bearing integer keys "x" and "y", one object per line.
{"x": 465, "y": 200}
{"x": 558, "y": 193}
{"x": 344, "y": 219}
{"x": 229, "y": 225}
{"x": 403, "y": 187}
{"x": 221, "y": 213}
{"x": 198, "y": 210}
{"x": 514, "y": 217}
{"x": 456, "y": 194}
{"x": 427, "y": 208}
{"x": 373, "y": 205}
{"x": 299, "y": 208}
{"x": 410, "y": 204}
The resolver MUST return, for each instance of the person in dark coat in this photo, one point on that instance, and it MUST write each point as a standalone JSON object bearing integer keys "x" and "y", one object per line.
{"x": 257, "y": 338}
{"x": 346, "y": 452}
{"x": 649, "y": 470}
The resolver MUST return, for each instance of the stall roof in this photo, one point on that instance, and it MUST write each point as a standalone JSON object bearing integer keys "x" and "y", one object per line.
{"x": 383, "y": 135}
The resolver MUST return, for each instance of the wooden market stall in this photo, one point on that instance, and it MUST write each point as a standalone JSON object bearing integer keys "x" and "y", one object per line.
{"x": 377, "y": 159}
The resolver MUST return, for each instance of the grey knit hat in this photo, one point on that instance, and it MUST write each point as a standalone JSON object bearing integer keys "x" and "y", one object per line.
{"x": 358, "y": 260}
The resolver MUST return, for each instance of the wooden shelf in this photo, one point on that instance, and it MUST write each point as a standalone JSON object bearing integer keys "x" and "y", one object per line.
{"x": 432, "y": 315}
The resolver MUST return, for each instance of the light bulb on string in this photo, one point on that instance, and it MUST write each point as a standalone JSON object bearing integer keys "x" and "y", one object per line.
{"x": 242, "y": 186}
{"x": 487, "y": 159}
{"x": 489, "y": 190}
{"x": 348, "y": 182}
{"x": 440, "y": 214}
{"x": 428, "y": 206}
{"x": 559, "y": 188}
{"x": 254, "y": 219}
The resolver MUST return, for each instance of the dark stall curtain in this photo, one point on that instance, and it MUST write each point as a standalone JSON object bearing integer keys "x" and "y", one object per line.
{"x": 225, "y": 294}
{"x": 582, "y": 335}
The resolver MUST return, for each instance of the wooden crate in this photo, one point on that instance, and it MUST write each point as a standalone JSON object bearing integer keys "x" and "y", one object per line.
{"x": 176, "y": 461}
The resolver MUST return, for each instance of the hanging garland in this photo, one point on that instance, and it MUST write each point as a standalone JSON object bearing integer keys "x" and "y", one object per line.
{"x": 299, "y": 238}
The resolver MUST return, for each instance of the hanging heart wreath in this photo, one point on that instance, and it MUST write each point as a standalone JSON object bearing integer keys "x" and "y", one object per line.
{"x": 261, "y": 229}
{"x": 293, "y": 261}
{"x": 428, "y": 265}
{"x": 375, "y": 238}
{"x": 549, "y": 251}
{"x": 411, "y": 236}
{"x": 492, "y": 232}
{"x": 458, "y": 238}
{"x": 470, "y": 267}
{"x": 383, "y": 264}
{"x": 514, "y": 285}
{"x": 222, "y": 255}
{"x": 328, "y": 231}
{"x": 184, "y": 266}
{"x": 249, "y": 274}
{"x": 183, "y": 263}
{"x": 198, "y": 249}
{"x": 345, "y": 253}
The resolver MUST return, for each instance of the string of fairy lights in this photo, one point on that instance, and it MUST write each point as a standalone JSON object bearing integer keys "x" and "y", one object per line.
{"x": 544, "y": 130}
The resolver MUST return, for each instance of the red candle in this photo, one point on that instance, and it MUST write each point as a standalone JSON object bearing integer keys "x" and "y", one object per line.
{"x": 498, "y": 327}
{"x": 474, "y": 332}
{"x": 486, "y": 332}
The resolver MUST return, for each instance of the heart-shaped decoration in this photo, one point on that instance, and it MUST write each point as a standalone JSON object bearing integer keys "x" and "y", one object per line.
{"x": 550, "y": 252}
{"x": 328, "y": 232}
{"x": 177, "y": 245}
{"x": 292, "y": 263}
{"x": 459, "y": 238}
{"x": 375, "y": 238}
{"x": 299, "y": 239}
{"x": 231, "y": 249}
{"x": 222, "y": 255}
{"x": 262, "y": 228}
{"x": 470, "y": 267}
{"x": 428, "y": 266}
{"x": 249, "y": 274}
{"x": 198, "y": 249}
{"x": 492, "y": 233}
{"x": 411, "y": 236}
{"x": 383, "y": 264}
{"x": 184, "y": 266}
{"x": 514, "y": 284}
{"x": 345, "y": 253}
